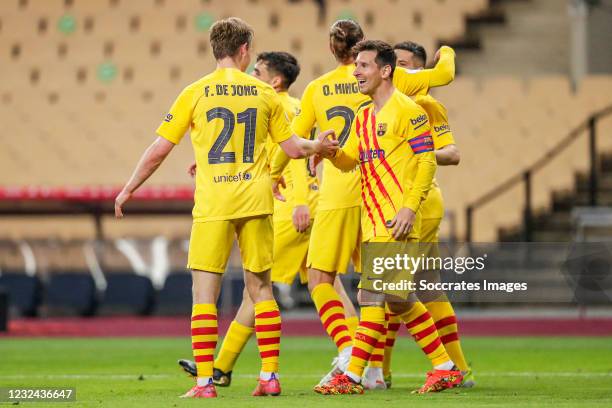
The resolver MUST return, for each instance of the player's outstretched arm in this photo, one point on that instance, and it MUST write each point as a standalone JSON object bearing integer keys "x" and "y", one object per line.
{"x": 344, "y": 160}
{"x": 347, "y": 158}
{"x": 148, "y": 163}
{"x": 444, "y": 71}
{"x": 418, "y": 82}
{"x": 448, "y": 155}
{"x": 296, "y": 147}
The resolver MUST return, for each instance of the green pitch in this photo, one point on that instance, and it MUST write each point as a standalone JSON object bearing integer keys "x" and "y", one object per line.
{"x": 142, "y": 372}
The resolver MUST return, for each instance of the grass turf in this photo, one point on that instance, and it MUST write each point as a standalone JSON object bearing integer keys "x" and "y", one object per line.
{"x": 142, "y": 372}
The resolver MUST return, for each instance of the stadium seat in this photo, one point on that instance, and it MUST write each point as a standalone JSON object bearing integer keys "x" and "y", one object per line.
{"x": 121, "y": 61}
{"x": 127, "y": 293}
{"x": 70, "y": 293}
{"x": 24, "y": 292}
{"x": 175, "y": 297}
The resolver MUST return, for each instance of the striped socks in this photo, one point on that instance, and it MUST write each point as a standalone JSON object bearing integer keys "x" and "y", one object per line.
{"x": 376, "y": 359}
{"x": 371, "y": 327}
{"x": 393, "y": 326}
{"x": 352, "y": 323}
{"x": 268, "y": 331}
{"x": 331, "y": 312}
{"x": 423, "y": 329}
{"x": 234, "y": 341}
{"x": 204, "y": 336}
{"x": 446, "y": 323}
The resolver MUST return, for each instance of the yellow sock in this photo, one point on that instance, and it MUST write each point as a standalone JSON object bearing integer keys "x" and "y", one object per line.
{"x": 352, "y": 323}
{"x": 331, "y": 313}
{"x": 392, "y": 327}
{"x": 371, "y": 327}
{"x": 446, "y": 324}
{"x": 268, "y": 332}
{"x": 376, "y": 359}
{"x": 423, "y": 329}
{"x": 234, "y": 341}
{"x": 204, "y": 337}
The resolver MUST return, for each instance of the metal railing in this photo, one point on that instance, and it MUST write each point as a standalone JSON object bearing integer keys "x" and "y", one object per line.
{"x": 526, "y": 176}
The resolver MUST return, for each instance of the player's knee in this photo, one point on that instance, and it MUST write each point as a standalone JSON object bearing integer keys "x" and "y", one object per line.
{"x": 203, "y": 295}
{"x": 427, "y": 296}
{"x": 312, "y": 285}
{"x": 317, "y": 277}
{"x": 399, "y": 307}
{"x": 367, "y": 298}
{"x": 258, "y": 286}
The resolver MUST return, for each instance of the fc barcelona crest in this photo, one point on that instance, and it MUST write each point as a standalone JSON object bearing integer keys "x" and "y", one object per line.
{"x": 382, "y": 129}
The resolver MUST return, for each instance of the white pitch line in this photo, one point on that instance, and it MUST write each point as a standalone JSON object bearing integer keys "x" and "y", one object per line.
{"x": 528, "y": 374}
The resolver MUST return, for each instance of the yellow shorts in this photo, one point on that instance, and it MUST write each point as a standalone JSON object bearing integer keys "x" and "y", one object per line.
{"x": 211, "y": 243}
{"x": 433, "y": 206}
{"x": 290, "y": 250}
{"x": 430, "y": 229}
{"x": 396, "y": 293}
{"x": 432, "y": 211}
{"x": 335, "y": 240}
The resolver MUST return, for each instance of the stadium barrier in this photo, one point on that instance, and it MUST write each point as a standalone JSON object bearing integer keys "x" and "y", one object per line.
{"x": 526, "y": 176}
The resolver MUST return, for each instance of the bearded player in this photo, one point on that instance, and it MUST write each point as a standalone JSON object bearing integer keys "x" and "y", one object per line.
{"x": 413, "y": 56}
{"x": 330, "y": 102}
{"x": 393, "y": 149}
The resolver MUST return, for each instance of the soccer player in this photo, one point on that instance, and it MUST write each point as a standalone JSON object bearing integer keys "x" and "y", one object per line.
{"x": 291, "y": 219}
{"x": 413, "y": 56}
{"x": 230, "y": 115}
{"x": 331, "y": 101}
{"x": 393, "y": 148}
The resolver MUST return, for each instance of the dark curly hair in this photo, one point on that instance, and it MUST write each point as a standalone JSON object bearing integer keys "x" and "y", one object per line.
{"x": 282, "y": 63}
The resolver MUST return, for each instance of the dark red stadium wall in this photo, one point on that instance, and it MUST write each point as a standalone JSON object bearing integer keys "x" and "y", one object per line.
{"x": 172, "y": 326}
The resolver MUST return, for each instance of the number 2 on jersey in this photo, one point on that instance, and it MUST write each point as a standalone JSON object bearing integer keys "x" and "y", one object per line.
{"x": 348, "y": 115}
{"x": 216, "y": 155}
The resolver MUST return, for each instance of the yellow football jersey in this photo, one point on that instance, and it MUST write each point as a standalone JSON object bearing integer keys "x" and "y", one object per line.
{"x": 394, "y": 151}
{"x": 438, "y": 119}
{"x": 230, "y": 115}
{"x": 433, "y": 206}
{"x": 331, "y": 101}
{"x": 302, "y": 187}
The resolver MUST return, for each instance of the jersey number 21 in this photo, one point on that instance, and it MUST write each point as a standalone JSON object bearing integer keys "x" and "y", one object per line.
{"x": 216, "y": 155}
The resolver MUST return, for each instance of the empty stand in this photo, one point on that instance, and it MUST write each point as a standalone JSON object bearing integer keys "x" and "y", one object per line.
{"x": 175, "y": 297}
{"x": 24, "y": 292}
{"x": 70, "y": 294}
{"x": 127, "y": 294}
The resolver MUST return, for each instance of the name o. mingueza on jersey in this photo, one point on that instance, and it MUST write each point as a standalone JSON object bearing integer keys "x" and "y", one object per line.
{"x": 230, "y": 90}
{"x": 345, "y": 88}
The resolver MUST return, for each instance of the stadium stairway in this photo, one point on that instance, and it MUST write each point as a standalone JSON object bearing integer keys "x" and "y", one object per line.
{"x": 554, "y": 224}
{"x": 511, "y": 36}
